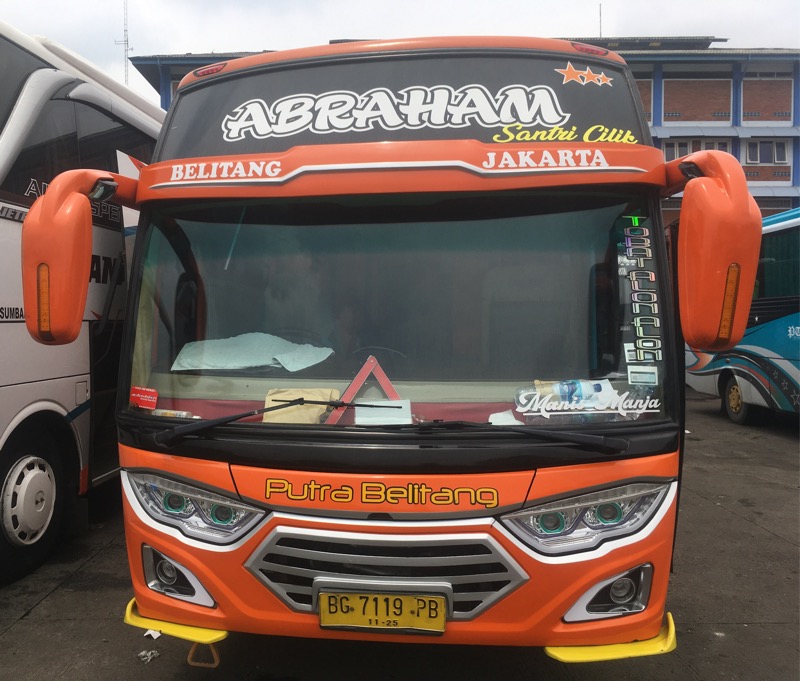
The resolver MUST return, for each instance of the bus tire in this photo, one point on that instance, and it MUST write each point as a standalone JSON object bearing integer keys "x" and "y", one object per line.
{"x": 733, "y": 404}
{"x": 32, "y": 503}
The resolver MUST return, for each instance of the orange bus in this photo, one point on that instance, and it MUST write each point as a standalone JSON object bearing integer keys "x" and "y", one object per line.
{"x": 403, "y": 358}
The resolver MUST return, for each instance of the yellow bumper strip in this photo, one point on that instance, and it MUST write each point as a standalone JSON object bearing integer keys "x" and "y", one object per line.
{"x": 665, "y": 642}
{"x": 184, "y": 631}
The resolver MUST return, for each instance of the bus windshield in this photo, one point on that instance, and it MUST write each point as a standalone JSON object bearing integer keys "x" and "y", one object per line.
{"x": 536, "y": 308}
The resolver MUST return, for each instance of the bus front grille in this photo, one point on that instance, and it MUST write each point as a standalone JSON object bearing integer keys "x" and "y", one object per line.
{"x": 477, "y": 569}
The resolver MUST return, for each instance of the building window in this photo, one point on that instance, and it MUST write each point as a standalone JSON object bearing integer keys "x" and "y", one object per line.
{"x": 766, "y": 152}
{"x": 675, "y": 148}
{"x": 717, "y": 145}
{"x": 774, "y": 205}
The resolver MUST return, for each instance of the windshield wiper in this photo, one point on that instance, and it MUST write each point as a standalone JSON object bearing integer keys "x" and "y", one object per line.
{"x": 172, "y": 435}
{"x": 602, "y": 443}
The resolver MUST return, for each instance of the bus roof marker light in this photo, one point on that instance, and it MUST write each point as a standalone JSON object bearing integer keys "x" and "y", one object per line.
{"x": 210, "y": 70}
{"x": 729, "y": 301}
{"x": 589, "y": 49}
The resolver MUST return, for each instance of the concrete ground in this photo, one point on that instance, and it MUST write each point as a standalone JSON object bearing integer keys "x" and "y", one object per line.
{"x": 734, "y": 594}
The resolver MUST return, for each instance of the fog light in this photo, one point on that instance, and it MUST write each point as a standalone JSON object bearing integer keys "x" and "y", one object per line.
{"x": 166, "y": 572}
{"x": 623, "y": 590}
{"x": 165, "y": 576}
{"x": 621, "y": 595}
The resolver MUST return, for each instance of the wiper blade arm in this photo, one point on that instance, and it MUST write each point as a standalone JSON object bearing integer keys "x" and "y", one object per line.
{"x": 603, "y": 443}
{"x": 172, "y": 435}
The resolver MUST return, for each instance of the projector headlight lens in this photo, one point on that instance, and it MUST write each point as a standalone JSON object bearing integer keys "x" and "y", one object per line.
{"x": 582, "y": 522}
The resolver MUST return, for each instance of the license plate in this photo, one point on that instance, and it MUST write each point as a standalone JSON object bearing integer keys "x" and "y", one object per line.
{"x": 383, "y": 611}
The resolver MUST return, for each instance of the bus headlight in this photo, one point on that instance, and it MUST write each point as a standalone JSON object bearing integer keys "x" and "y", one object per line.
{"x": 582, "y": 522}
{"x": 197, "y": 513}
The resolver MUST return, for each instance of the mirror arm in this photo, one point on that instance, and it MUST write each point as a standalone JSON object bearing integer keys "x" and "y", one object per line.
{"x": 117, "y": 187}
{"x": 675, "y": 178}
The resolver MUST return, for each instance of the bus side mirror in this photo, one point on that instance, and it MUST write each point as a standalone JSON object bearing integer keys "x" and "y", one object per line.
{"x": 57, "y": 252}
{"x": 718, "y": 244}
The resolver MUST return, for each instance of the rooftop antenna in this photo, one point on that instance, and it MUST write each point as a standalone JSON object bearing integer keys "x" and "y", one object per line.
{"x": 124, "y": 42}
{"x": 601, "y": 19}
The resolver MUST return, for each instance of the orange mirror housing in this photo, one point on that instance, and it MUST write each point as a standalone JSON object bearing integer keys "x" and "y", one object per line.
{"x": 57, "y": 252}
{"x": 718, "y": 244}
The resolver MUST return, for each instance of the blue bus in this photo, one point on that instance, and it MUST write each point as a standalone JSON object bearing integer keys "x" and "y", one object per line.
{"x": 763, "y": 371}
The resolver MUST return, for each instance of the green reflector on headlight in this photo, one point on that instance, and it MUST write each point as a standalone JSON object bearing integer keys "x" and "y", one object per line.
{"x": 174, "y": 503}
{"x": 551, "y": 523}
{"x": 609, "y": 514}
{"x": 222, "y": 515}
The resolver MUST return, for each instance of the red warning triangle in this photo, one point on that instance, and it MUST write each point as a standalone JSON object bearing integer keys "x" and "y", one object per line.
{"x": 370, "y": 368}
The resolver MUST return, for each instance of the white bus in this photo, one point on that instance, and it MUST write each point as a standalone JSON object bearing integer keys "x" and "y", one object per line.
{"x": 762, "y": 373}
{"x": 57, "y": 434}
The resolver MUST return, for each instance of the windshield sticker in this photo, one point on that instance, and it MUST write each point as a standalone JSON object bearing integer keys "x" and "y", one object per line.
{"x": 512, "y": 108}
{"x": 642, "y": 375}
{"x": 583, "y": 397}
{"x": 644, "y": 293}
{"x": 491, "y": 98}
{"x": 595, "y": 133}
{"x": 440, "y": 106}
{"x": 573, "y": 75}
{"x": 144, "y": 398}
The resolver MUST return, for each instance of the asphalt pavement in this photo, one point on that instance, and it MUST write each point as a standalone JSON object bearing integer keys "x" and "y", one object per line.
{"x": 735, "y": 594}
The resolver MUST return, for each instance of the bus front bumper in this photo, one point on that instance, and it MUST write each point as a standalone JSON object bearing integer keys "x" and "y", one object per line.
{"x": 665, "y": 642}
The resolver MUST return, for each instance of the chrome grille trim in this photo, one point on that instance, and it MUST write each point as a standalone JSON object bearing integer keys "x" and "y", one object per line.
{"x": 474, "y": 565}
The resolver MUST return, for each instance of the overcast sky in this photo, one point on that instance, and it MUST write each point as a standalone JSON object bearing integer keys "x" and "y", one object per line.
{"x": 93, "y": 28}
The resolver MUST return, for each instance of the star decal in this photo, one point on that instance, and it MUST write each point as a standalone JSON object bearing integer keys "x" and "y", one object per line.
{"x": 590, "y": 76}
{"x": 571, "y": 74}
{"x": 603, "y": 79}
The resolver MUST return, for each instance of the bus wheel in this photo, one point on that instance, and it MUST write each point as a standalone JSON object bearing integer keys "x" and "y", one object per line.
{"x": 734, "y": 406}
{"x": 32, "y": 500}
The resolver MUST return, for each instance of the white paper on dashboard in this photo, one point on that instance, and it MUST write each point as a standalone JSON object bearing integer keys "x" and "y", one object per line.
{"x": 389, "y": 411}
{"x": 248, "y": 350}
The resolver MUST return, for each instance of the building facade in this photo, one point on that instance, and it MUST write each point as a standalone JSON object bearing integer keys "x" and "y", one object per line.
{"x": 695, "y": 96}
